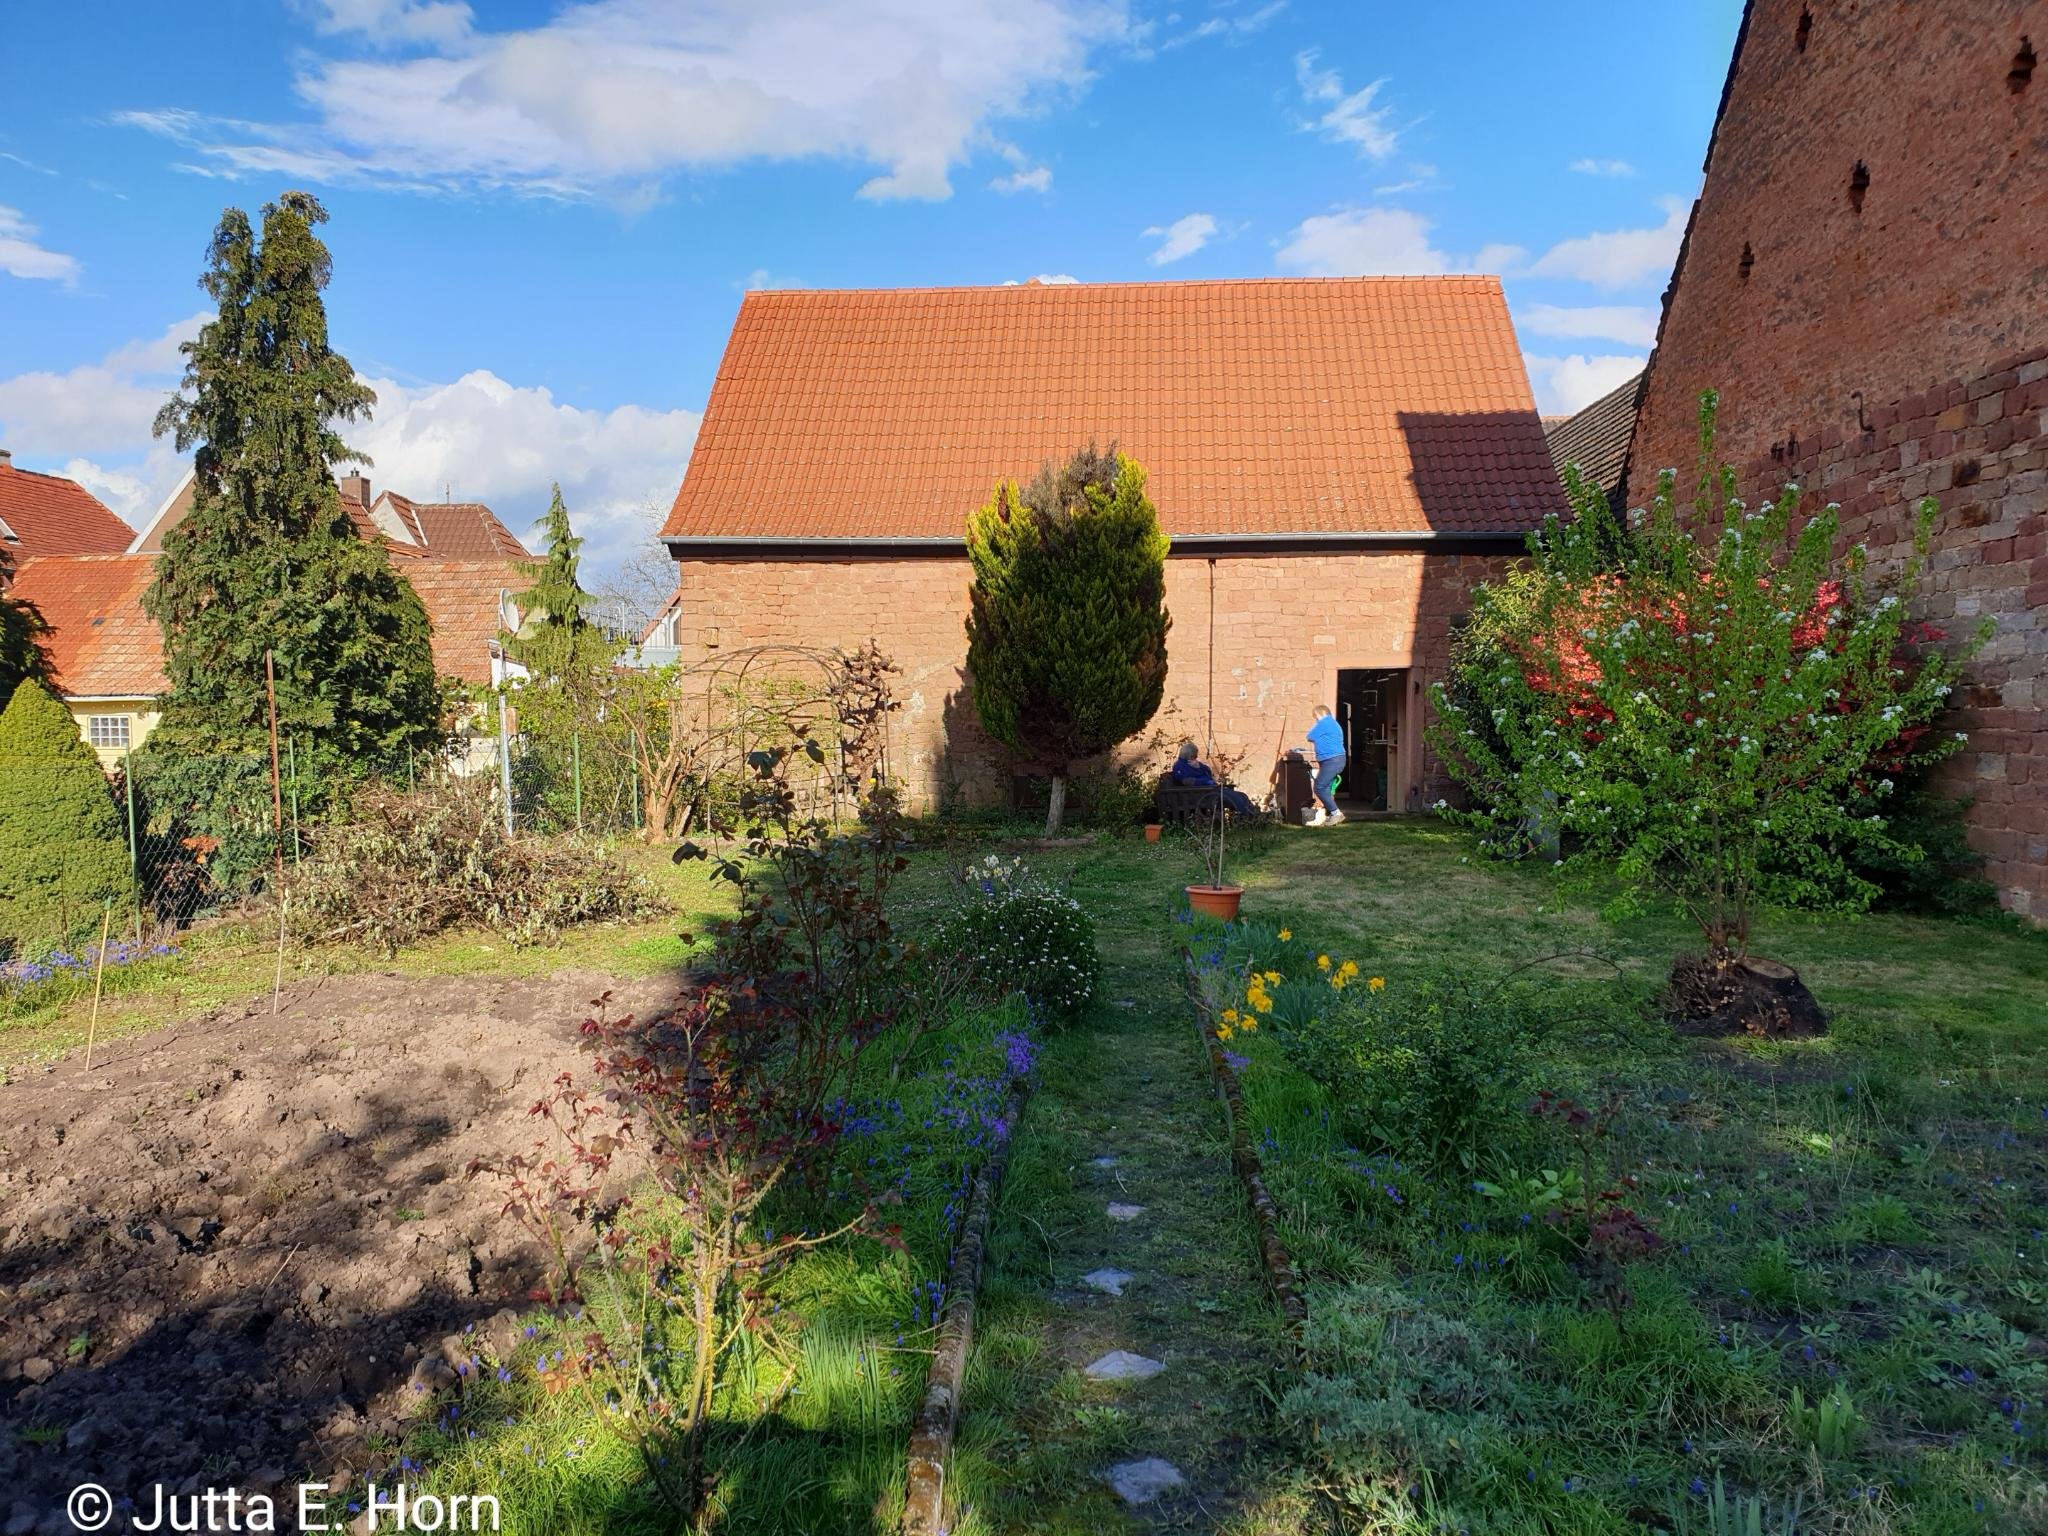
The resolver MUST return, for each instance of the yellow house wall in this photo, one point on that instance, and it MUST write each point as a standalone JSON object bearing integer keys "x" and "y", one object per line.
{"x": 142, "y": 714}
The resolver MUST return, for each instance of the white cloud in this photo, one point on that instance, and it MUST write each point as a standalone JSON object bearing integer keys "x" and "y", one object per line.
{"x": 488, "y": 440}
{"x": 1422, "y": 177}
{"x": 1037, "y": 178}
{"x": 1621, "y": 258}
{"x": 1567, "y": 384}
{"x": 1355, "y": 241}
{"x": 1227, "y": 25}
{"x": 610, "y": 93}
{"x": 1588, "y": 165}
{"x": 21, "y": 255}
{"x": 1345, "y": 117}
{"x": 1043, "y": 277}
{"x": 484, "y": 438}
{"x": 1183, "y": 237}
{"x": 1387, "y": 242}
{"x": 96, "y": 408}
{"x": 1633, "y": 325}
{"x": 397, "y": 21}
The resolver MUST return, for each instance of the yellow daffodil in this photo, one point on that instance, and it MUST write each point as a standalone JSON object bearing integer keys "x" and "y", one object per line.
{"x": 1223, "y": 1031}
{"x": 1251, "y": 1026}
{"x": 1286, "y": 934}
{"x": 1230, "y": 1015}
{"x": 1349, "y": 967}
{"x": 1378, "y": 983}
{"x": 1322, "y": 962}
{"x": 1273, "y": 978}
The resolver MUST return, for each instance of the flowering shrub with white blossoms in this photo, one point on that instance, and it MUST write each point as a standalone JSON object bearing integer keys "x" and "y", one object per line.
{"x": 1023, "y": 935}
{"x": 1709, "y": 713}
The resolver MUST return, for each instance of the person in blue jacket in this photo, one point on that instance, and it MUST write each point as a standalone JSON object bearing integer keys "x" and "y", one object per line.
{"x": 1326, "y": 739}
{"x": 1188, "y": 769}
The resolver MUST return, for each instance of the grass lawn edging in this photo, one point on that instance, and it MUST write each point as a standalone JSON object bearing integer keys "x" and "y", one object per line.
{"x": 931, "y": 1436}
{"x": 1274, "y": 1258}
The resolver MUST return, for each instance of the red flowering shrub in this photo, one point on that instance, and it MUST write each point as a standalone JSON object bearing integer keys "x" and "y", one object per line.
{"x": 1706, "y": 705}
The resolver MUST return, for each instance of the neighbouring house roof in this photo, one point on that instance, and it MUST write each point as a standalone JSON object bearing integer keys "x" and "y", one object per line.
{"x": 459, "y": 530}
{"x": 452, "y": 530}
{"x": 99, "y": 644}
{"x": 465, "y": 601}
{"x": 1260, "y": 408}
{"x": 49, "y": 515}
{"x": 1597, "y": 439}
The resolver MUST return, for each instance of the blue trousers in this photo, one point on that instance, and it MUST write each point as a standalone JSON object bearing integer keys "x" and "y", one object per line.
{"x": 1327, "y": 770}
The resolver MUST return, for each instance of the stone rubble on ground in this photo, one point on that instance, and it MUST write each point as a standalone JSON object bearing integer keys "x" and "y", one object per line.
{"x": 1140, "y": 1482}
{"x": 1118, "y": 1212}
{"x": 1109, "y": 1281}
{"x": 1122, "y": 1365}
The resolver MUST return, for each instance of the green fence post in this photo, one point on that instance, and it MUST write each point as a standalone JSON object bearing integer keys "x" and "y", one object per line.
{"x": 293, "y": 743}
{"x": 134, "y": 853}
{"x": 576, "y": 771}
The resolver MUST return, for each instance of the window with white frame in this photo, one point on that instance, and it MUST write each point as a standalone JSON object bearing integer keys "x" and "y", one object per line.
{"x": 107, "y": 731}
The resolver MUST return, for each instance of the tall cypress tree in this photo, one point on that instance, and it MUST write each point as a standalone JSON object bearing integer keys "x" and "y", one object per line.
{"x": 267, "y": 559}
{"x": 558, "y": 642}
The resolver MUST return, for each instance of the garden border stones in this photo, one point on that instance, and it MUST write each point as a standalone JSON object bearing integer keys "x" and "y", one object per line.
{"x": 1273, "y": 1255}
{"x": 931, "y": 1434}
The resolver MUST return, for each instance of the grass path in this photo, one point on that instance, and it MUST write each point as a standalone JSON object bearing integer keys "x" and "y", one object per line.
{"x": 1038, "y": 1436}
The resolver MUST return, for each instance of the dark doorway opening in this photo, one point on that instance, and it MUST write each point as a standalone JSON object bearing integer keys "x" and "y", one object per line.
{"x": 1369, "y": 708}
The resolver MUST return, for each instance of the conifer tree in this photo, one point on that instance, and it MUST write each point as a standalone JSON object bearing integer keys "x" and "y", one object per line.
{"x": 61, "y": 850}
{"x": 1066, "y": 634}
{"x": 268, "y": 559}
{"x": 20, "y": 655}
{"x": 557, "y": 643}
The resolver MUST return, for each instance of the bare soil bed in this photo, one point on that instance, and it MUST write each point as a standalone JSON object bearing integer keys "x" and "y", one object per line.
{"x": 228, "y": 1255}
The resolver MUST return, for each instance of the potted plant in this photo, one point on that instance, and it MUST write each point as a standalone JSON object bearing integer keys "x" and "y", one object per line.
{"x": 1152, "y": 829}
{"x": 1215, "y": 898}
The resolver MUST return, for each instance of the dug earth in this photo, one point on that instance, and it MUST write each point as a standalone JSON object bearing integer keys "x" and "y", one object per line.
{"x": 242, "y": 1251}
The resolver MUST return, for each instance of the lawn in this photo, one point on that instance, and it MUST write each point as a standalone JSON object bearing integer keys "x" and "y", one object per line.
{"x": 1839, "y": 1327}
{"x": 1838, "y": 1324}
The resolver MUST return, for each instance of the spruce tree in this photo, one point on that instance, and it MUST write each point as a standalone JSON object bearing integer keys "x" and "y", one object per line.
{"x": 1066, "y": 633}
{"x": 20, "y": 624}
{"x": 572, "y": 738}
{"x": 268, "y": 559}
{"x": 62, "y": 854}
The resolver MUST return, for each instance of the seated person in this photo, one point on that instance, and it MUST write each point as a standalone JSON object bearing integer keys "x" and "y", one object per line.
{"x": 1191, "y": 772}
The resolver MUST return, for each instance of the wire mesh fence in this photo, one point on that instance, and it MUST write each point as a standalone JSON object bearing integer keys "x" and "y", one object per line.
{"x": 112, "y": 872}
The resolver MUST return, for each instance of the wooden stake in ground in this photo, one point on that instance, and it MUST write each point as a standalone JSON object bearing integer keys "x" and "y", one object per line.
{"x": 276, "y": 827}
{"x": 99, "y": 971}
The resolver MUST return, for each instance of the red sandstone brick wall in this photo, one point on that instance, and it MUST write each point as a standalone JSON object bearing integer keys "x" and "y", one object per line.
{"x": 1899, "y": 350}
{"x": 1283, "y": 626}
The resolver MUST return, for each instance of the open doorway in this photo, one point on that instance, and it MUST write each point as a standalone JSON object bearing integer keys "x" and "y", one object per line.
{"x": 1369, "y": 708}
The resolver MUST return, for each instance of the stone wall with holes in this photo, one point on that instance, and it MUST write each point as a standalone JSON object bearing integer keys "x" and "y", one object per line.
{"x": 1256, "y": 642}
{"x": 1865, "y": 281}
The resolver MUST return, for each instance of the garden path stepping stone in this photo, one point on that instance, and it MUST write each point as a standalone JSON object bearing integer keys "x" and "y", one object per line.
{"x": 1140, "y": 1482}
{"x": 1125, "y": 1212}
{"x": 1103, "y": 1162}
{"x": 1110, "y": 1281}
{"x": 1122, "y": 1365}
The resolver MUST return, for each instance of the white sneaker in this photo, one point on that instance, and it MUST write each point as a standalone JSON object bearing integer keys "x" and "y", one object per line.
{"x": 1318, "y": 819}
{"x": 1336, "y": 818}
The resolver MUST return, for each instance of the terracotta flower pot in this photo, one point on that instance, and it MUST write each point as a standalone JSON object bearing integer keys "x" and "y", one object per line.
{"x": 1217, "y": 901}
{"x": 1151, "y": 831}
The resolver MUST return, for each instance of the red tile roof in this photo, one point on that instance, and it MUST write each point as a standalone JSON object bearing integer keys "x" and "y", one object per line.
{"x": 461, "y": 598}
{"x": 457, "y": 530}
{"x": 99, "y": 644}
{"x": 1272, "y": 406}
{"x": 49, "y": 515}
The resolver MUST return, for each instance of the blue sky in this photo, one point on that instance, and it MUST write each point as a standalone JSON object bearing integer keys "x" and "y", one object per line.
{"x": 544, "y": 215}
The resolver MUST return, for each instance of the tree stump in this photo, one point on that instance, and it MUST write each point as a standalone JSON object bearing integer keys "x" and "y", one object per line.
{"x": 1741, "y": 995}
